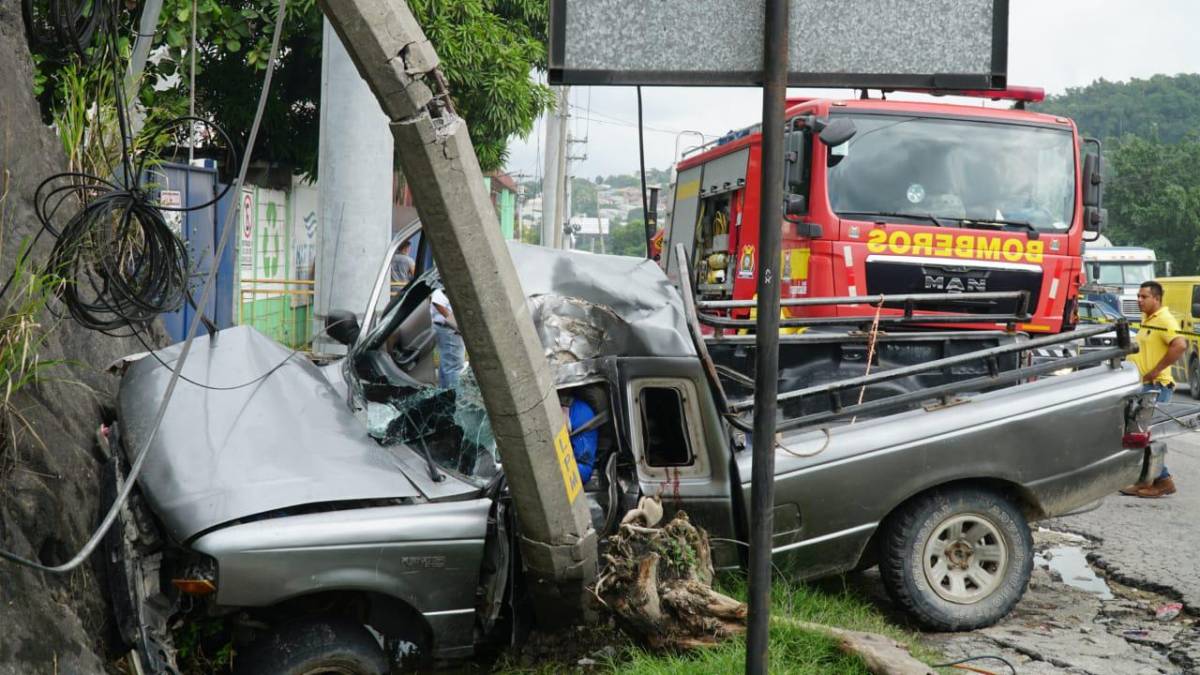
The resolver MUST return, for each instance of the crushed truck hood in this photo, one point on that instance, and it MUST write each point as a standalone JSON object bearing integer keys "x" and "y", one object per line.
{"x": 586, "y": 305}
{"x": 220, "y": 455}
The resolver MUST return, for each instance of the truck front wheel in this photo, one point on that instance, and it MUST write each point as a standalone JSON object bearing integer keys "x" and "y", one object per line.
{"x": 956, "y": 558}
{"x": 324, "y": 646}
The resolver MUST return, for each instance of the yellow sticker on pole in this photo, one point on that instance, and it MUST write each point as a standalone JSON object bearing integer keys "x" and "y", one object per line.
{"x": 566, "y": 464}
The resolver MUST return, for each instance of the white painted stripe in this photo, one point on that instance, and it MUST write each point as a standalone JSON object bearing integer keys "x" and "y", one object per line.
{"x": 448, "y": 612}
{"x": 824, "y": 537}
{"x": 853, "y": 291}
{"x": 1054, "y": 289}
{"x": 952, "y": 262}
{"x": 848, "y": 255}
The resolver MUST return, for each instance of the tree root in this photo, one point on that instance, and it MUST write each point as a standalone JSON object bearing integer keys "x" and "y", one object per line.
{"x": 658, "y": 583}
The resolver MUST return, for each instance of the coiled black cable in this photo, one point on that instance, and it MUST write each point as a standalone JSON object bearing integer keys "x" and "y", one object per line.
{"x": 120, "y": 262}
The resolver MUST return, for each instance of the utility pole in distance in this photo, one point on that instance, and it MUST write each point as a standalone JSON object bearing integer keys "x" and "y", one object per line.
{"x": 558, "y": 544}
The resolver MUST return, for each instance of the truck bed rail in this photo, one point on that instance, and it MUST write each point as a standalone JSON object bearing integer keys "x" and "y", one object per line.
{"x": 736, "y": 412}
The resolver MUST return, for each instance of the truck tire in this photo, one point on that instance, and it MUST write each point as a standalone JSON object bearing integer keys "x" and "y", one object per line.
{"x": 1194, "y": 378}
{"x": 957, "y": 558}
{"x": 312, "y": 647}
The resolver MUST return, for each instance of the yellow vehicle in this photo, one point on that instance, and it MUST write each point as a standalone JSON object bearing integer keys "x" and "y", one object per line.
{"x": 1181, "y": 295}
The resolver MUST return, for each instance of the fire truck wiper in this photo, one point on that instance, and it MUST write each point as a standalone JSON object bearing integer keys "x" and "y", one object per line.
{"x": 896, "y": 214}
{"x": 968, "y": 222}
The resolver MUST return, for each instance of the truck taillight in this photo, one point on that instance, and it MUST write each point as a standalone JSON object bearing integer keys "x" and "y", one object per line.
{"x": 1134, "y": 440}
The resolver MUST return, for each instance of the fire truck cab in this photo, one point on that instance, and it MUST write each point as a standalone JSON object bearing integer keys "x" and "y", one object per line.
{"x": 901, "y": 197}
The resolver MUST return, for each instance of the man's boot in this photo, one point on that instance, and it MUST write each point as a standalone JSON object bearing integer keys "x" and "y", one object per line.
{"x": 1161, "y": 487}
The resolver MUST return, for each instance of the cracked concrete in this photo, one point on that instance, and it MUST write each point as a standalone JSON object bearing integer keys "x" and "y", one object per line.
{"x": 1152, "y": 543}
{"x": 1057, "y": 628}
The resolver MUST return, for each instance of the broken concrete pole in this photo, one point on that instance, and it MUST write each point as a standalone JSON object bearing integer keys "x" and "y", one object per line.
{"x": 399, "y": 64}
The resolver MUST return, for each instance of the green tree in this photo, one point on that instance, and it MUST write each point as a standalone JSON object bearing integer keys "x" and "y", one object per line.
{"x": 487, "y": 50}
{"x": 583, "y": 198}
{"x": 1162, "y": 107}
{"x": 628, "y": 239}
{"x": 1153, "y": 198}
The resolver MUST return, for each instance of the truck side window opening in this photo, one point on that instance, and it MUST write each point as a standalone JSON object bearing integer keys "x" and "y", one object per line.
{"x": 664, "y": 431}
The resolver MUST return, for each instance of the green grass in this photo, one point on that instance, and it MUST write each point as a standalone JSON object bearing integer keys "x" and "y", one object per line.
{"x": 792, "y": 650}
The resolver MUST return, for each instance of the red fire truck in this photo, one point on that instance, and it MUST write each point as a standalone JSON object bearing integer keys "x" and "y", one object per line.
{"x": 901, "y": 197}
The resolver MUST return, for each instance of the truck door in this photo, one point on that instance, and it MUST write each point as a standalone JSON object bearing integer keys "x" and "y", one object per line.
{"x": 676, "y": 442}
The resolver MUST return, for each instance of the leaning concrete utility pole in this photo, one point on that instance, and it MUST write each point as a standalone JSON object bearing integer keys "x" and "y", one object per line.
{"x": 399, "y": 64}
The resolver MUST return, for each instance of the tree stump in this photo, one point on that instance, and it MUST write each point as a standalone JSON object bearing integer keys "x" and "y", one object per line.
{"x": 658, "y": 582}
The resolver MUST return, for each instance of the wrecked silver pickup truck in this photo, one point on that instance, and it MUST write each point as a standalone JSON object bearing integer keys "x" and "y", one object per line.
{"x": 352, "y": 515}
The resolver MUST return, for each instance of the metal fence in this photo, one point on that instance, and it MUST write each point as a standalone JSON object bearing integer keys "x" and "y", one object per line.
{"x": 282, "y": 309}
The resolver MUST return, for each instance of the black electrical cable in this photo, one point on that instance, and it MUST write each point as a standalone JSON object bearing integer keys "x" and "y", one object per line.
{"x": 121, "y": 263}
{"x": 978, "y": 658}
{"x": 144, "y": 451}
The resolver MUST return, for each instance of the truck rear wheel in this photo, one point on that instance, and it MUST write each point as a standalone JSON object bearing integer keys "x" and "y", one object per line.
{"x": 1194, "y": 378}
{"x": 957, "y": 558}
{"x": 317, "y": 646}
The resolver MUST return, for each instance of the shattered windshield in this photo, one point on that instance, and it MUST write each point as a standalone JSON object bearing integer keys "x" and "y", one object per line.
{"x": 450, "y": 427}
{"x": 956, "y": 170}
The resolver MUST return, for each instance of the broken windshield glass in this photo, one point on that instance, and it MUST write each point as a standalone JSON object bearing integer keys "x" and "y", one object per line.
{"x": 451, "y": 426}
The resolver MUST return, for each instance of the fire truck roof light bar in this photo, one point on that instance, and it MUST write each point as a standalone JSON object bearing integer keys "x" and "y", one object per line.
{"x": 1121, "y": 328}
{"x": 1011, "y": 93}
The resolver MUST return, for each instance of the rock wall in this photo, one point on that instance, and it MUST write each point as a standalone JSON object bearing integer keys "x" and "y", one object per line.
{"x": 48, "y": 493}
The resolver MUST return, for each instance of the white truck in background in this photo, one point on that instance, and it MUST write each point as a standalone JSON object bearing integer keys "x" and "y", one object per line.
{"x": 1114, "y": 274}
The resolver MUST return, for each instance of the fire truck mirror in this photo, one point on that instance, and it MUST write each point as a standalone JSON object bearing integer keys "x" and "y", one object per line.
{"x": 1093, "y": 181}
{"x": 795, "y": 205}
{"x": 795, "y": 177}
{"x": 838, "y": 131}
{"x": 1093, "y": 218}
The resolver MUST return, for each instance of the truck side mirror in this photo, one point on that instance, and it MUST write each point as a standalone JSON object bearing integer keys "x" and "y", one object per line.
{"x": 1093, "y": 175}
{"x": 795, "y": 170}
{"x": 1093, "y": 218}
{"x": 838, "y": 131}
{"x": 1093, "y": 180}
{"x": 342, "y": 325}
{"x": 1095, "y": 271}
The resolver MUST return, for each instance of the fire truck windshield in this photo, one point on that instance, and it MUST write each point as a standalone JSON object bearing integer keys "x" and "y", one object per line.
{"x": 965, "y": 173}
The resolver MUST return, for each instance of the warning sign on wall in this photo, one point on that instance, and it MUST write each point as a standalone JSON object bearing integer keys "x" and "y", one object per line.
{"x": 246, "y": 249}
{"x": 172, "y": 199}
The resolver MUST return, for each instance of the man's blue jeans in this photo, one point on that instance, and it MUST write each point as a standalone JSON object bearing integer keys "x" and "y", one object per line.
{"x": 450, "y": 355}
{"x": 1163, "y": 396}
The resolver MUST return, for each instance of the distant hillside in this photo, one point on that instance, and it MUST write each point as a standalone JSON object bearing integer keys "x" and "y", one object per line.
{"x": 1164, "y": 108}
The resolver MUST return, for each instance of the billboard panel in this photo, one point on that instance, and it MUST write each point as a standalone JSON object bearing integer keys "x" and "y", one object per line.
{"x": 927, "y": 44}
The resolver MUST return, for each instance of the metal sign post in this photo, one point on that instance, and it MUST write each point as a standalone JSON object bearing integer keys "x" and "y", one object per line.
{"x": 766, "y": 360}
{"x": 919, "y": 44}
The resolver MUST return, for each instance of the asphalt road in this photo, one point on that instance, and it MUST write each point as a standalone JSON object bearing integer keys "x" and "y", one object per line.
{"x": 1153, "y": 543}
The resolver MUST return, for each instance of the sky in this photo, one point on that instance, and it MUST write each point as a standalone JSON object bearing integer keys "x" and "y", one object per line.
{"x": 1054, "y": 44}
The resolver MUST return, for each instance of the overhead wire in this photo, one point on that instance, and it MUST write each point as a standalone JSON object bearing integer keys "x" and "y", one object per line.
{"x": 144, "y": 452}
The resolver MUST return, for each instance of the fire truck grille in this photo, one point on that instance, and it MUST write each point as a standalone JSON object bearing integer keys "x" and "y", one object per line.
{"x": 954, "y": 277}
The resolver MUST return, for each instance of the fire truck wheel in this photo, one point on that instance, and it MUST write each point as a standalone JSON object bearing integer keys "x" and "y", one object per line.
{"x": 1194, "y": 378}
{"x": 315, "y": 645}
{"x": 956, "y": 558}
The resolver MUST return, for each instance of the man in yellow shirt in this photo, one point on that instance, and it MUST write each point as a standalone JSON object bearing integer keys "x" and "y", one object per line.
{"x": 1159, "y": 346}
